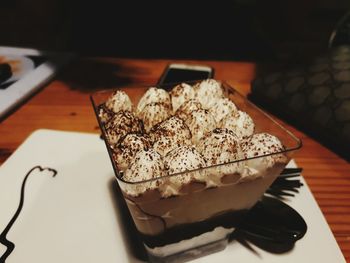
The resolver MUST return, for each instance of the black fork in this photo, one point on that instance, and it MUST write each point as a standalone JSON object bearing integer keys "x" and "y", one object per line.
{"x": 286, "y": 184}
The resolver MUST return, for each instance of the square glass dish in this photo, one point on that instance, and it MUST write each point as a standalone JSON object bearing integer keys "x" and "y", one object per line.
{"x": 191, "y": 213}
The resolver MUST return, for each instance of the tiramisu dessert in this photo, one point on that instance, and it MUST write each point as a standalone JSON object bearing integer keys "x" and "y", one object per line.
{"x": 190, "y": 163}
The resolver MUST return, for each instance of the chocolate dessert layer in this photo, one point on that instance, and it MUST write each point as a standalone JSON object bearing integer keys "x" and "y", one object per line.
{"x": 187, "y": 231}
{"x": 196, "y": 209}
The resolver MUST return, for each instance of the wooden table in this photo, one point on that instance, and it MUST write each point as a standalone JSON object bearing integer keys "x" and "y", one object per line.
{"x": 64, "y": 105}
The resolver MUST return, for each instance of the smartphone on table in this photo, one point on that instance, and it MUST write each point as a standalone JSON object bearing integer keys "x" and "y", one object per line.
{"x": 175, "y": 73}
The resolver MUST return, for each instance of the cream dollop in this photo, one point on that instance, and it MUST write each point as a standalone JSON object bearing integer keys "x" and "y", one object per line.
{"x": 146, "y": 165}
{"x": 207, "y": 91}
{"x": 240, "y": 123}
{"x": 119, "y": 101}
{"x": 221, "y": 108}
{"x": 154, "y": 113}
{"x": 219, "y": 147}
{"x": 258, "y": 145}
{"x": 120, "y": 124}
{"x": 126, "y": 150}
{"x": 187, "y": 108}
{"x": 180, "y": 94}
{"x": 170, "y": 134}
{"x": 182, "y": 159}
{"x": 200, "y": 123}
{"x": 153, "y": 95}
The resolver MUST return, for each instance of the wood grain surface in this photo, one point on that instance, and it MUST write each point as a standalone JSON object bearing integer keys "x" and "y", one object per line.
{"x": 64, "y": 104}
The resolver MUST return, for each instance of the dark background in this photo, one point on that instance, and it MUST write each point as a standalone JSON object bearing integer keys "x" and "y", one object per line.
{"x": 233, "y": 30}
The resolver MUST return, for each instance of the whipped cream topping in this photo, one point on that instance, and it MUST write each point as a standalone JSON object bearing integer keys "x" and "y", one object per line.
{"x": 221, "y": 146}
{"x": 119, "y": 101}
{"x": 166, "y": 144}
{"x": 154, "y": 113}
{"x": 146, "y": 165}
{"x": 261, "y": 144}
{"x": 180, "y": 94}
{"x": 171, "y": 127}
{"x": 240, "y": 123}
{"x": 200, "y": 123}
{"x": 221, "y": 108}
{"x": 126, "y": 150}
{"x": 181, "y": 159}
{"x": 153, "y": 95}
{"x": 207, "y": 91}
{"x": 170, "y": 134}
{"x": 122, "y": 123}
{"x": 204, "y": 119}
{"x": 187, "y": 108}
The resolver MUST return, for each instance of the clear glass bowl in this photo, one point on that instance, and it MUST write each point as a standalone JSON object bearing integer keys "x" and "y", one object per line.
{"x": 199, "y": 219}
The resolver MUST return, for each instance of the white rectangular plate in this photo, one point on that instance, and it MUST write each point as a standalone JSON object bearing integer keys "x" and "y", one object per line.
{"x": 74, "y": 216}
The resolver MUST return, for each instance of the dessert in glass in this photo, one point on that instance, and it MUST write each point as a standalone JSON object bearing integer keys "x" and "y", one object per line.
{"x": 190, "y": 162}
